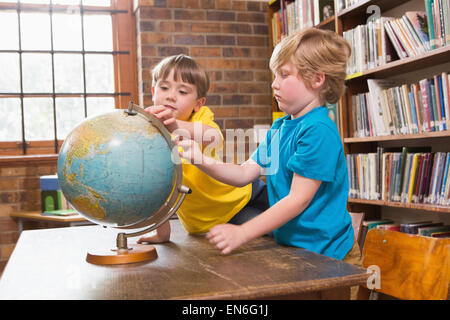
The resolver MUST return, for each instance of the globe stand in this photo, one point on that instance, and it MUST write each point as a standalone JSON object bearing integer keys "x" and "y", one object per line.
{"x": 139, "y": 252}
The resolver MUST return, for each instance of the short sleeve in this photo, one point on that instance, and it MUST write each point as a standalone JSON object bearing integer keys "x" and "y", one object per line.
{"x": 316, "y": 154}
{"x": 205, "y": 116}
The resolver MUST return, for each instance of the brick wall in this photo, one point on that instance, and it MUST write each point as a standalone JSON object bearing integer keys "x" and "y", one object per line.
{"x": 229, "y": 38}
{"x": 19, "y": 191}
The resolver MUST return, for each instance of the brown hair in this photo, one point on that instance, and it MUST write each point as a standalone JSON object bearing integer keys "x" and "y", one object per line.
{"x": 315, "y": 51}
{"x": 184, "y": 68}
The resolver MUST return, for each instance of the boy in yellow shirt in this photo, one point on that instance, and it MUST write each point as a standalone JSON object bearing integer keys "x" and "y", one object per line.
{"x": 179, "y": 91}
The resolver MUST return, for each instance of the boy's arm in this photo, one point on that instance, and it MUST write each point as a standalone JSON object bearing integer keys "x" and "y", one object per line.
{"x": 227, "y": 237}
{"x": 229, "y": 173}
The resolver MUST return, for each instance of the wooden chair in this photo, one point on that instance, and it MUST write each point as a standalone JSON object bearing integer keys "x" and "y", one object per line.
{"x": 410, "y": 267}
{"x": 357, "y": 221}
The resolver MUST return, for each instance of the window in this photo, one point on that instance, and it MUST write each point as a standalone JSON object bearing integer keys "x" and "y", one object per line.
{"x": 59, "y": 62}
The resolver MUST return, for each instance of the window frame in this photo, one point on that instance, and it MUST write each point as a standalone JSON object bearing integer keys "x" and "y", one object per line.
{"x": 125, "y": 76}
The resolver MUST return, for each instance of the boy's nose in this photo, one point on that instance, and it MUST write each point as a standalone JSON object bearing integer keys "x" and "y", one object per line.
{"x": 274, "y": 84}
{"x": 171, "y": 96}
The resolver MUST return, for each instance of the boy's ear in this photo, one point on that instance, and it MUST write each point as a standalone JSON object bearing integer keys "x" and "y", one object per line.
{"x": 318, "y": 81}
{"x": 200, "y": 102}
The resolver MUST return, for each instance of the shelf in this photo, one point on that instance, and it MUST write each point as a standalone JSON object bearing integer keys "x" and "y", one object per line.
{"x": 425, "y": 135}
{"x": 418, "y": 206}
{"x": 326, "y": 24}
{"x": 432, "y": 58}
{"x": 361, "y": 7}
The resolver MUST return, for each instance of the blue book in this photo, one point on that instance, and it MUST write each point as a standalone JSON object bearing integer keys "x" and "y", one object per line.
{"x": 444, "y": 180}
{"x": 441, "y": 94}
{"x": 49, "y": 182}
{"x": 412, "y": 104}
{"x": 433, "y": 122}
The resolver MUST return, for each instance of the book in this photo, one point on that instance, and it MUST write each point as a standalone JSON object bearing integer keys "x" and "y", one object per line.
{"x": 446, "y": 98}
{"x": 443, "y": 234}
{"x": 428, "y": 124}
{"x": 63, "y": 212}
{"x": 418, "y": 21}
{"x": 326, "y": 10}
{"x": 389, "y": 226}
{"x": 401, "y": 52}
{"x": 411, "y": 227}
{"x": 429, "y": 230}
{"x": 332, "y": 112}
{"x": 429, "y": 12}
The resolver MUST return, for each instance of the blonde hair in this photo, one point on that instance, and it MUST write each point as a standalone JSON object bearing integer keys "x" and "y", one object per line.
{"x": 184, "y": 68}
{"x": 315, "y": 51}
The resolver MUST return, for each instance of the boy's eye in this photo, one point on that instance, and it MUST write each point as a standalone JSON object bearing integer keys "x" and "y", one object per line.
{"x": 183, "y": 92}
{"x": 164, "y": 88}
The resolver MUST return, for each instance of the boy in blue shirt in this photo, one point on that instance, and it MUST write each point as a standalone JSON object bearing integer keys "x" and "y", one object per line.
{"x": 302, "y": 155}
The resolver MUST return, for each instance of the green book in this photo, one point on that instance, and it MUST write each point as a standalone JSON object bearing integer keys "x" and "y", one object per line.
{"x": 430, "y": 230}
{"x": 63, "y": 212}
{"x": 51, "y": 200}
{"x": 371, "y": 224}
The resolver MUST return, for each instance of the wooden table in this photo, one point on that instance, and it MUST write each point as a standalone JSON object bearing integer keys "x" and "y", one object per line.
{"x": 71, "y": 221}
{"x": 50, "y": 264}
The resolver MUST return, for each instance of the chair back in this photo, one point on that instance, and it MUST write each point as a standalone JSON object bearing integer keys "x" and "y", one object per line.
{"x": 410, "y": 266}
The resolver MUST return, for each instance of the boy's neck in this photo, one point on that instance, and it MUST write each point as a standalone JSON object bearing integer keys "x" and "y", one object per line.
{"x": 311, "y": 106}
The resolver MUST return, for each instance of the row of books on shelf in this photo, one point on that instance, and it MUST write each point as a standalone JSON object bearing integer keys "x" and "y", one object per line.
{"x": 392, "y": 108}
{"x": 407, "y": 176}
{"x": 422, "y": 228}
{"x": 343, "y": 4}
{"x": 386, "y": 39}
{"x": 298, "y": 15}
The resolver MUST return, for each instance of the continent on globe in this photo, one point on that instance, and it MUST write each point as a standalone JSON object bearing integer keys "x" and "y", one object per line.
{"x": 116, "y": 169}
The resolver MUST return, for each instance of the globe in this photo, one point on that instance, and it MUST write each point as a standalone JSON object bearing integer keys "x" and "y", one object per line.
{"x": 117, "y": 170}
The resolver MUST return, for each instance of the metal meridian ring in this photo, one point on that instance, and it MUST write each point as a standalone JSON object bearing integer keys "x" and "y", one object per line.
{"x": 179, "y": 190}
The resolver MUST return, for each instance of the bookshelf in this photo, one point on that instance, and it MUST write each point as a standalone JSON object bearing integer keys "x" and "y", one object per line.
{"x": 274, "y": 6}
{"x": 414, "y": 68}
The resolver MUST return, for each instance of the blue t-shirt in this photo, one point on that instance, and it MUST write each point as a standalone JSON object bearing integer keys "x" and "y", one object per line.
{"x": 311, "y": 147}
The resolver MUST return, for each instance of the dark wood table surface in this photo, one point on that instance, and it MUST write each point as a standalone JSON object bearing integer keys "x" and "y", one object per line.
{"x": 50, "y": 264}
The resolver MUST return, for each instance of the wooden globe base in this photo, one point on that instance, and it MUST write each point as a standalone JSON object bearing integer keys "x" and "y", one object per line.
{"x": 135, "y": 253}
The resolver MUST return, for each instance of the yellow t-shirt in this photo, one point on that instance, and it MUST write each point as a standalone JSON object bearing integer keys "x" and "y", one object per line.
{"x": 211, "y": 202}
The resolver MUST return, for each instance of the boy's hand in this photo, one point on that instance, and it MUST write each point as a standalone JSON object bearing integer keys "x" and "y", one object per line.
{"x": 165, "y": 115}
{"x": 226, "y": 237}
{"x": 191, "y": 150}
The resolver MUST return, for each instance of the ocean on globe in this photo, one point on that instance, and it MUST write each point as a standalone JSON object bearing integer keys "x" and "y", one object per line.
{"x": 116, "y": 169}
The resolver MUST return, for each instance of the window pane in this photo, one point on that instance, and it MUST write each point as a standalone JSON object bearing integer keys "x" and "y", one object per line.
{"x": 35, "y": 31}
{"x": 36, "y": 1}
{"x": 9, "y": 40}
{"x": 10, "y": 72}
{"x": 99, "y": 105}
{"x": 67, "y": 31}
{"x": 66, "y": 2}
{"x": 10, "y": 123}
{"x": 102, "y": 3}
{"x": 38, "y": 118}
{"x": 99, "y": 73}
{"x": 68, "y": 73}
{"x": 69, "y": 111}
{"x": 37, "y": 72}
{"x": 97, "y": 32}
